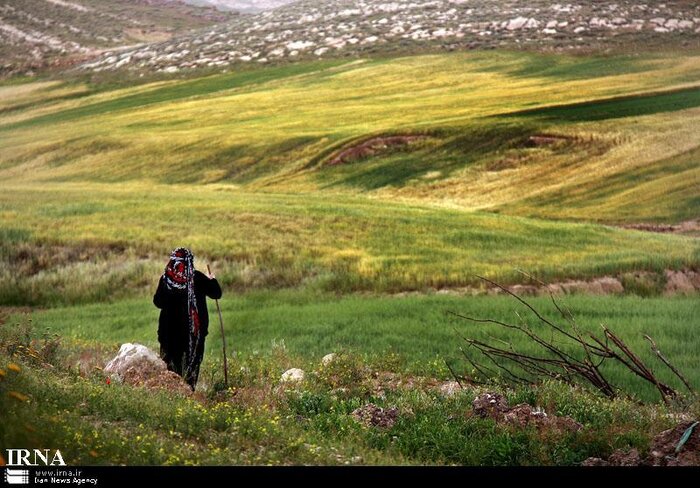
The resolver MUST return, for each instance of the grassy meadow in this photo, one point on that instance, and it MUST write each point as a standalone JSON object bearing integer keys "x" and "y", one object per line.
{"x": 517, "y": 161}
{"x": 416, "y": 331}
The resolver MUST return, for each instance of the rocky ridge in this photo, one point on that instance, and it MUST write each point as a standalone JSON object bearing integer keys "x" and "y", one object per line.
{"x": 333, "y": 28}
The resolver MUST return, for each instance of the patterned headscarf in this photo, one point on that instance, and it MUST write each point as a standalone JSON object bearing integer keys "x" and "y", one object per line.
{"x": 178, "y": 276}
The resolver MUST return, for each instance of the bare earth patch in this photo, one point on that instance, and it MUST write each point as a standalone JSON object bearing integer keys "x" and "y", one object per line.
{"x": 673, "y": 282}
{"x": 691, "y": 227}
{"x": 374, "y": 416}
{"x": 672, "y": 447}
{"x": 371, "y": 147}
{"x": 495, "y": 406}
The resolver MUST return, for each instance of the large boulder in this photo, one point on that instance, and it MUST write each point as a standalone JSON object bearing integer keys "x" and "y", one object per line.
{"x": 137, "y": 365}
{"x": 134, "y": 356}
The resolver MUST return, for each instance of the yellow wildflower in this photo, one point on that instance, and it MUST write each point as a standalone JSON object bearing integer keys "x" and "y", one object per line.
{"x": 18, "y": 396}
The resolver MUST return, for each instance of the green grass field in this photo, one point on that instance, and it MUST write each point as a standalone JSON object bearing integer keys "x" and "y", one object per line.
{"x": 520, "y": 161}
{"x": 258, "y": 422}
{"x": 418, "y": 330}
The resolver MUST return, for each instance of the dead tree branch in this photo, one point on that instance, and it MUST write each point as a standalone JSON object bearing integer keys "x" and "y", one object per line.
{"x": 553, "y": 361}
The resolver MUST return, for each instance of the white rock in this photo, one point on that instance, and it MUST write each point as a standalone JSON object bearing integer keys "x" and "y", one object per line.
{"x": 549, "y": 31}
{"x": 516, "y": 23}
{"x": 133, "y": 355}
{"x": 293, "y": 375}
{"x": 532, "y": 24}
{"x": 299, "y": 45}
{"x": 450, "y": 389}
{"x": 328, "y": 359}
{"x": 276, "y": 52}
{"x": 144, "y": 55}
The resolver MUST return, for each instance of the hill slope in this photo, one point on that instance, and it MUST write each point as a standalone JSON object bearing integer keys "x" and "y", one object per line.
{"x": 476, "y": 137}
{"x": 37, "y": 34}
{"x": 382, "y": 175}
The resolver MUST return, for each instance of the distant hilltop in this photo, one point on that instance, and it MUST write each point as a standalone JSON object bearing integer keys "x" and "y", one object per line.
{"x": 335, "y": 28}
{"x": 241, "y": 5}
{"x": 170, "y": 36}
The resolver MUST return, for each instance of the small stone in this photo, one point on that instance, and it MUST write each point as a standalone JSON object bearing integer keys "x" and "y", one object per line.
{"x": 450, "y": 388}
{"x": 328, "y": 359}
{"x": 293, "y": 375}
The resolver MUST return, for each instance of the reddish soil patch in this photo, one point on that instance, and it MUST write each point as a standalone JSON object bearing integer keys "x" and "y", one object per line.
{"x": 687, "y": 227}
{"x": 495, "y": 406}
{"x": 370, "y": 147}
{"x": 164, "y": 380}
{"x": 667, "y": 449}
{"x": 681, "y": 282}
{"x": 546, "y": 139}
{"x": 374, "y": 416}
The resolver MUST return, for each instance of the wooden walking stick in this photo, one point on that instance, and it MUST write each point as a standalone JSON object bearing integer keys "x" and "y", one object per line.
{"x": 223, "y": 338}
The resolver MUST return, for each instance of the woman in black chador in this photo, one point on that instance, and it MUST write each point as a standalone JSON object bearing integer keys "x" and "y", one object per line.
{"x": 184, "y": 320}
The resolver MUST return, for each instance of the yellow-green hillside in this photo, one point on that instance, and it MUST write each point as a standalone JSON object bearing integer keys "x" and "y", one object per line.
{"x": 98, "y": 183}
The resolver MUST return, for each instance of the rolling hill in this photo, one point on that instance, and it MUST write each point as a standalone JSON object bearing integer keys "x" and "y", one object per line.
{"x": 385, "y": 175}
